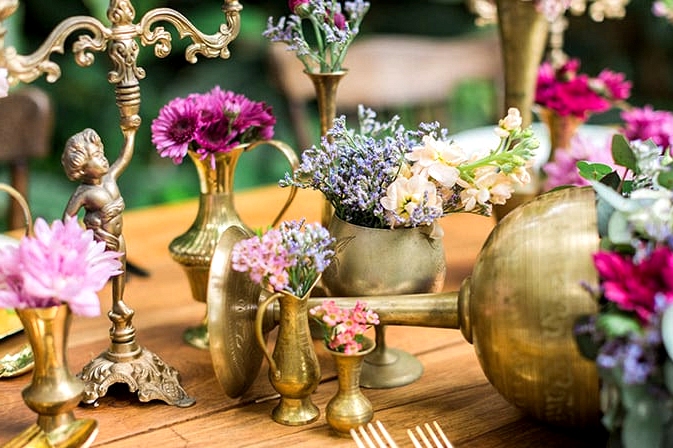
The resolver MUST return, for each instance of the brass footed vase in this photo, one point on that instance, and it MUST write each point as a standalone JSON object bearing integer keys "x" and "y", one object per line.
{"x": 349, "y": 408}
{"x": 374, "y": 262}
{"x": 54, "y": 392}
{"x": 517, "y": 308}
{"x": 216, "y": 212}
{"x": 294, "y": 370}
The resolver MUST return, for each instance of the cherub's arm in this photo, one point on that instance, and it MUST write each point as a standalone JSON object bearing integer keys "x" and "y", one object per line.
{"x": 126, "y": 154}
{"x": 75, "y": 203}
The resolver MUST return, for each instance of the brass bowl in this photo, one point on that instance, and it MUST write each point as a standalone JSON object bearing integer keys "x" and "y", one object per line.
{"x": 517, "y": 309}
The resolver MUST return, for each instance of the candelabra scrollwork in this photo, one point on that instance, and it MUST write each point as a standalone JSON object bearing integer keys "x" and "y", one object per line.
{"x": 125, "y": 360}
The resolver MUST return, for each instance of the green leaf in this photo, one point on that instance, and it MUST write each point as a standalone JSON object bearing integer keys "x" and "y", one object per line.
{"x": 586, "y": 344}
{"x": 667, "y": 331}
{"x": 618, "y": 324}
{"x": 668, "y": 374}
{"x": 622, "y": 153}
{"x": 619, "y": 231}
{"x": 603, "y": 212}
{"x": 665, "y": 179}
{"x": 593, "y": 171}
{"x": 644, "y": 422}
{"x": 615, "y": 199}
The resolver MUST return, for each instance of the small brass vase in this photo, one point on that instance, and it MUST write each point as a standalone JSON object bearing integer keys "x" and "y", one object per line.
{"x": 216, "y": 213}
{"x": 294, "y": 370}
{"x": 349, "y": 408}
{"x": 54, "y": 391}
{"x": 375, "y": 262}
{"x": 325, "y": 85}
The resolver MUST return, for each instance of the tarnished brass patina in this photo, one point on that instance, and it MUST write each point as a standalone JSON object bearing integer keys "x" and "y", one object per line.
{"x": 124, "y": 361}
{"x": 517, "y": 309}
{"x": 194, "y": 249}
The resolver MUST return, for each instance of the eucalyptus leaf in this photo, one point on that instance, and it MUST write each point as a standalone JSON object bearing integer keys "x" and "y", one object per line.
{"x": 668, "y": 374}
{"x": 586, "y": 344}
{"x": 618, "y": 324}
{"x": 615, "y": 199}
{"x": 619, "y": 231}
{"x": 622, "y": 153}
{"x": 593, "y": 171}
{"x": 603, "y": 212}
{"x": 614, "y": 181}
{"x": 665, "y": 179}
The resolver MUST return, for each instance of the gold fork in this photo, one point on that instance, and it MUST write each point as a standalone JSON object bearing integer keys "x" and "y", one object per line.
{"x": 443, "y": 443}
{"x": 366, "y": 436}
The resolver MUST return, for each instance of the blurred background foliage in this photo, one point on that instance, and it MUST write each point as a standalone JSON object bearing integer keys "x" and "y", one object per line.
{"x": 639, "y": 45}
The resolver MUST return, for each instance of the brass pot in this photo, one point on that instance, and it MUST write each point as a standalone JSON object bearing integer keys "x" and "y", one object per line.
{"x": 216, "y": 213}
{"x": 371, "y": 262}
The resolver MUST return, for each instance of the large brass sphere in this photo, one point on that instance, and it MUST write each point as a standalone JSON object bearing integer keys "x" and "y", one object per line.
{"x": 517, "y": 308}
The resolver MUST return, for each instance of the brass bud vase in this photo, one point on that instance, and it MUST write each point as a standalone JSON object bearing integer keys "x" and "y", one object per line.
{"x": 216, "y": 213}
{"x": 294, "y": 370}
{"x": 349, "y": 408}
{"x": 54, "y": 392}
{"x": 375, "y": 262}
{"x": 325, "y": 85}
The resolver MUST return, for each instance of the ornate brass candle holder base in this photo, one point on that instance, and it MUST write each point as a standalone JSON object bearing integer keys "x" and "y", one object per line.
{"x": 80, "y": 433}
{"x": 517, "y": 308}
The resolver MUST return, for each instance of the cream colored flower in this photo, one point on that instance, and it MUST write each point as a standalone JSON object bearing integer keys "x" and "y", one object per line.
{"x": 511, "y": 122}
{"x": 404, "y": 195}
{"x": 490, "y": 185}
{"x": 520, "y": 175}
{"x": 438, "y": 159}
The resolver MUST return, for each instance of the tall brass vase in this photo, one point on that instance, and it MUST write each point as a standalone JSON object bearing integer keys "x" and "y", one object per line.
{"x": 325, "y": 85}
{"x": 216, "y": 212}
{"x": 561, "y": 129}
{"x": 294, "y": 370}
{"x": 54, "y": 392}
{"x": 349, "y": 408}
{"x": 374, "y": 262}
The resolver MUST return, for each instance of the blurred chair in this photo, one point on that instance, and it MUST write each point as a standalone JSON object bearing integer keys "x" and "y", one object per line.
{"x": 391, "y": 72}
{"x": 26, "y": 126}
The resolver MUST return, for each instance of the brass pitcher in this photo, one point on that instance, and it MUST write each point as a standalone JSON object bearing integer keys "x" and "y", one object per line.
{"x": 216, "y": 213}
{"x": 294, "y": 370}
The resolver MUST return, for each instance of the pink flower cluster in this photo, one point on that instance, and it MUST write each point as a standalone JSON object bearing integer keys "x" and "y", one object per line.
{"x": 210, "y": 123}
{"x": 60, "y": 264}
{"x": 289, "y": 258}
{"x": 344, "y": 329}
{"x": 646, "y": 123}
{"x": 636, "y": 286}
{"x": 568, "y": 92}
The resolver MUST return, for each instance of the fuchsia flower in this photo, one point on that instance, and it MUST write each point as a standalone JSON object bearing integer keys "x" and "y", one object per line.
{"x": 343, "y": 328}
{"x": 568, "y": 92}
{"x": 646, "y": 123}
{"x": 210, "y": 123}
{"x": 60, "y": 264}
{"x": 634, "y": 286}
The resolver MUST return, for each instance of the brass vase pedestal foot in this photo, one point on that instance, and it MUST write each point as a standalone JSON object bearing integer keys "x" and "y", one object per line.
{"x": 197, "y": 336}
{"x": 143, "y": 372}
{"x": 80, "y": 433}
{"x": 389, "y": 368}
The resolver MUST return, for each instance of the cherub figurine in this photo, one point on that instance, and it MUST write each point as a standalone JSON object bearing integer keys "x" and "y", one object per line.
{"x": 84, "y": 161}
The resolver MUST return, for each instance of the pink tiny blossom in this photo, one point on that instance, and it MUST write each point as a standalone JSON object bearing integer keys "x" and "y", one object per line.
{"x": 344, "y": 328}
{"x": 60, "y": 264}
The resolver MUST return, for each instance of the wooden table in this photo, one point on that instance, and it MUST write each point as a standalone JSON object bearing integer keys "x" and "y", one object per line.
{"x": 453, "y": 390}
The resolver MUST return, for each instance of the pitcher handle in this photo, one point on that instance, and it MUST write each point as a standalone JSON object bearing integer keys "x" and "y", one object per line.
{"x": 259, "y": 319}
{"x": 18, "y": 197}
{"x": 292, "y": 158}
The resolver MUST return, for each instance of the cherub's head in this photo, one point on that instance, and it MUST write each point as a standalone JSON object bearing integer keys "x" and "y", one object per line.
{"x": 83, "y": 156}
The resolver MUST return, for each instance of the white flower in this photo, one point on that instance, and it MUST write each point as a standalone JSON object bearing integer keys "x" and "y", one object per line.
{"x": 438, "y": 160}
{"x": 510, "y": 123}
{"x": 655, "y": 215}
{"x": 489, "y": 187}
{"x": 4, "y": 83}
{"x": 403, "y": 196}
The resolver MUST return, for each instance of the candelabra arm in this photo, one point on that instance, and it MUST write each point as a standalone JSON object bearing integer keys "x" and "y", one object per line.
{"x": 211, "y": 46}
{"x": 27, "y": 68}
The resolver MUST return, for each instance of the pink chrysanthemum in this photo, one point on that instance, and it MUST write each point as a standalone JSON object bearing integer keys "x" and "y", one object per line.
{"x": 173, "y": 130}
{"x": 635, "y": 286}
{"x": 568, "y": 92}
{"x": 646, "y": 123}
{"x": 210, "y": 123}
{"x": 60, "y": 264}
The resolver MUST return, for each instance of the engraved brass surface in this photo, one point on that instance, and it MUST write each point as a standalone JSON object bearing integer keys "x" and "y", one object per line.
{"x": 517, "y": 309}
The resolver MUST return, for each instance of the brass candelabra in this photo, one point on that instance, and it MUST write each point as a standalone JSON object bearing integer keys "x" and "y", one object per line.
{"x": 125, "y": 361}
